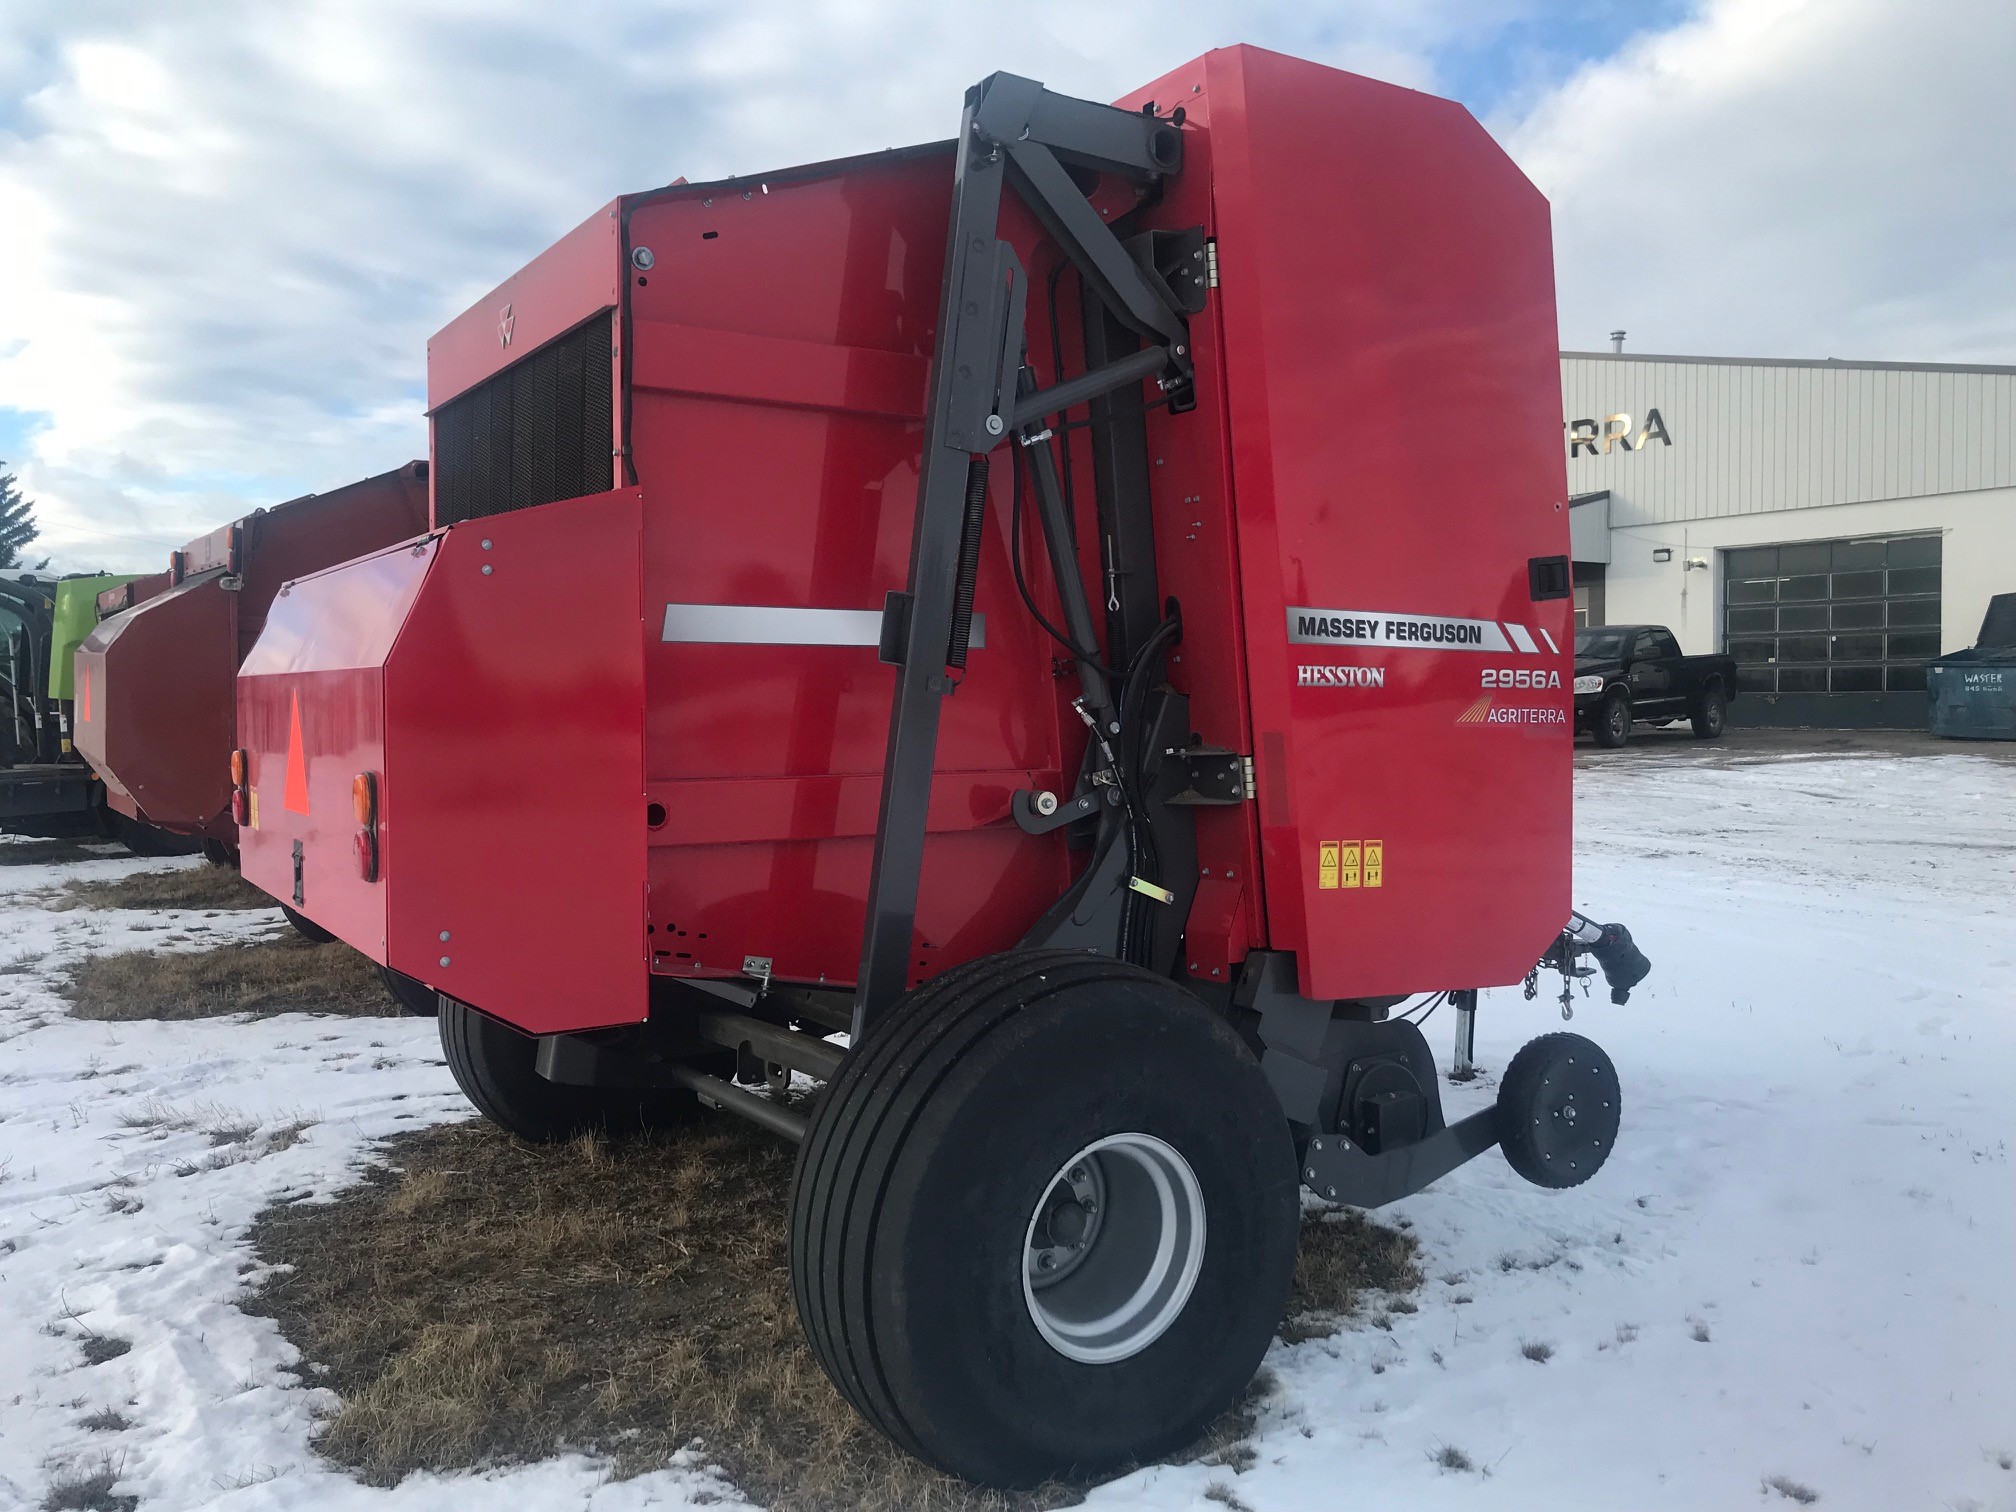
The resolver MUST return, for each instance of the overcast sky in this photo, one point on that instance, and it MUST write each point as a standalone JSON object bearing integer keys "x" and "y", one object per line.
{"x": 228, "y": 228}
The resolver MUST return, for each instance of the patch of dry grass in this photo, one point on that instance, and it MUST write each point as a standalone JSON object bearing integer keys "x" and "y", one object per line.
{"x": 48, "y": 852}
{"x": 478, "y": 1300}
{"x": 88, "y": 1488}
{"x": 285, "y": 974}
{"x": 191, "y": 887}
{"x": 1345, "y": 1259}
{"x": 1791, "y": 1490}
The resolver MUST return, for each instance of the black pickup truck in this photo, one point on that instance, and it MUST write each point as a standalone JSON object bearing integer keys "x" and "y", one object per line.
{"x": 1626, "y": 673}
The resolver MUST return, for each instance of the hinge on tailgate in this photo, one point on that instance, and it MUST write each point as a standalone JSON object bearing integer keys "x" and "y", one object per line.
{"x": 1210, "y": 775}
{"x": 1211, "y": 260}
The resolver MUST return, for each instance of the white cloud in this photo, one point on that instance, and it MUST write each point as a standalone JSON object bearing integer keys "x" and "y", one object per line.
{"x": 231, "y": 228}
{"x": 1807, "y": 178}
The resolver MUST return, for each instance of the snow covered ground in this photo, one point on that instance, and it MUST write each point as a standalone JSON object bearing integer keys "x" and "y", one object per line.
{"x": 1798, "y": 1264}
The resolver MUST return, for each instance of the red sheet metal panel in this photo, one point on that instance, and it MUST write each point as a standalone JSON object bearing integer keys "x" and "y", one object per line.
{"x": 491, "y": 680}
{"x": 515, "y": 704}
{"x": 153, "y": 708}
{"x": 1387, "y": 303}
{"x": 319, "y": 670}
{"x": 780, "y": 348}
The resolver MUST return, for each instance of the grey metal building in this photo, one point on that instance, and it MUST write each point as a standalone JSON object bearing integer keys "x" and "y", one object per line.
{"x": 1833, "y": 525}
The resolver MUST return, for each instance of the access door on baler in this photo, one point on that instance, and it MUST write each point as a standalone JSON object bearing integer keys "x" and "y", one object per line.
{"x": 1410, "y": 698}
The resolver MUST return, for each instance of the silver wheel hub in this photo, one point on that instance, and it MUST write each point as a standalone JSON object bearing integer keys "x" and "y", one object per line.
{"x": 1113, "y": 1249}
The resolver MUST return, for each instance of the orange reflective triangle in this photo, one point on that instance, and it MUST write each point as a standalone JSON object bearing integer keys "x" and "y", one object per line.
{"x": 84, "y": 697}
{"x": 295, "y": 799}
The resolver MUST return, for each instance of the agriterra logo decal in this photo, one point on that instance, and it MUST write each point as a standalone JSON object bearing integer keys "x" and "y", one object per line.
{"x": 1412, "y": 632}
{"x": 1487, "y": 711}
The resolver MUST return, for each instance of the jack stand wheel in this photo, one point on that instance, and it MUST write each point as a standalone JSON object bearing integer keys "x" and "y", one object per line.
{"x": 1558, "y": 1110}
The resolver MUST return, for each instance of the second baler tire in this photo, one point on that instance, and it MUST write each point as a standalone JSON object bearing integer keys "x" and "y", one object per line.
{"x": 410, "y": 993}
{"x": 929, "y": 1151}
{"x": 494, "y": 1065}
{"x": 306, "y": 927}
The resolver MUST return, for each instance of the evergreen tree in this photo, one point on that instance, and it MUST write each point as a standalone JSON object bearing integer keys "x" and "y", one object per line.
{"x": 17, "y": 521}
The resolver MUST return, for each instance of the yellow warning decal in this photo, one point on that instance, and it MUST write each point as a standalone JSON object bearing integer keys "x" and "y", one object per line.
{"x": 1350, "y": 867}
{"x": 1327, "y": 862}
{"x": 1375, "y": 863}
{"x": 252, "y": 807}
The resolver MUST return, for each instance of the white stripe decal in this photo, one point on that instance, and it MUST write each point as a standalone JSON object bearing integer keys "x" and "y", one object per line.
{"x": 1521, "y": 639}
{"x": 775, "y": 625}
{"x": 1550, "y": 641}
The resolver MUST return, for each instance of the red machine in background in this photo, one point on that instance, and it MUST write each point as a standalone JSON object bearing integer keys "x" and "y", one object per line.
{"x": 155, "y": 710}
{"x": 1084, "y": 608}
{"x": 117, "y": 600}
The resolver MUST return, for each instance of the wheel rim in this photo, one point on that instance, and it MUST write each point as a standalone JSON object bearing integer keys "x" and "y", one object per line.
{"x": 1112, "y": 1251}
{"x": 1714, "y": 720}
{"x": 1619, "y": 720}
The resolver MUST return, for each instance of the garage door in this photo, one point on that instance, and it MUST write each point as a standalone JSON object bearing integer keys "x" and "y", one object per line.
{"x": 1854, "y": 616}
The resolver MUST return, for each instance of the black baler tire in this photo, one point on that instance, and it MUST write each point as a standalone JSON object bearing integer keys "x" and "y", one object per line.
{"x": 1710, "y": 712}
{"x": 144, "y": 839}
{"x": 1518, "y": 1089}
{"x": 1608, "y": 735}
{"x": 493, "y": 1064}
{"x": 306, "y": 927}
{"x": 410, "y": 993}
{"x": 929, "y": 1152}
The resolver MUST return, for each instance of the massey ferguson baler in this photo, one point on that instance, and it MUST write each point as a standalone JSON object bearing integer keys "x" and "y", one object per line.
{"x": 1083, "y": 608}
{"x": 154, "y": 709}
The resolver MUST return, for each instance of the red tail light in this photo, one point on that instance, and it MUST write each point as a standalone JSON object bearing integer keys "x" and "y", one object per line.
{"x": 241, "y": 808}
{"x": 367, "y": 855}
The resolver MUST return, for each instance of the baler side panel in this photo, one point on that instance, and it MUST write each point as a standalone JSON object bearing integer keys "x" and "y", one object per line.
{"x": 515, "y": 768}
{"x": 153, "y": 711}
{"x": 778, "y": 419}
{"x": 318, "y": 670}
{"x": 1387, "y": 288}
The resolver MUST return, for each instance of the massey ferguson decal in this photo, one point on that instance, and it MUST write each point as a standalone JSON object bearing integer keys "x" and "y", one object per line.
{"x": 1413, "y": 632}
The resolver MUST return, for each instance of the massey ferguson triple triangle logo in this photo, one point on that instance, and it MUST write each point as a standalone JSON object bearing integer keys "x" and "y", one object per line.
{"x": 504, "y": 324}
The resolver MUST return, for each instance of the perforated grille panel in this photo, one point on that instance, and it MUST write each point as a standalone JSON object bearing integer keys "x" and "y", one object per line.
{"x": 539, "y": 431}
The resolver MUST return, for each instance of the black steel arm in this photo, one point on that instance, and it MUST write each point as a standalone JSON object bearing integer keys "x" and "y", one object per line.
{"x": 1096, "y": 384}
{"x": 1010, "y": 125}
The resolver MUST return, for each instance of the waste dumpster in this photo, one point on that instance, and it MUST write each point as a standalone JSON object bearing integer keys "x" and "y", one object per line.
{"x": 1971, "y": 695}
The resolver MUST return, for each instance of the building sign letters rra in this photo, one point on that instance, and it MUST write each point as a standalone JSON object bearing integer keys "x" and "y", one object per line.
{"x": 1614, "y": 431}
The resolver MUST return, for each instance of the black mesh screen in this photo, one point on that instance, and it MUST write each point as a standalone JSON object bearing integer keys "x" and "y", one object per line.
{"x": 540, "y": 430}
